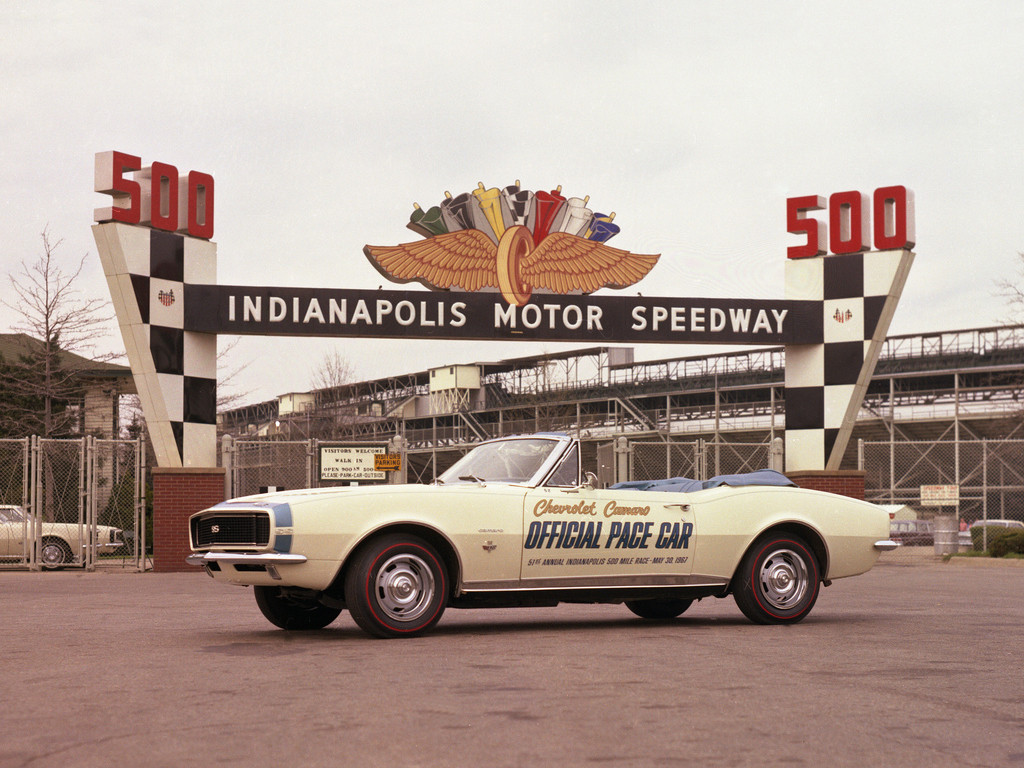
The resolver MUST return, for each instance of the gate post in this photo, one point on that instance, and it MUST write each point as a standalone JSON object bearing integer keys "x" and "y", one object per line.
{"x": 776, "y": 453}
{"x": 87, "y": 501}
{"x": 622, "y": 463}
{"x": 227, "y": 460}
{"x": 178, "y": 493}
{"x": 35, "y": 514}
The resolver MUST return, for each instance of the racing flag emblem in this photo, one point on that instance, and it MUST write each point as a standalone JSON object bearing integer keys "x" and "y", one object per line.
{"x": 166, "y": 297}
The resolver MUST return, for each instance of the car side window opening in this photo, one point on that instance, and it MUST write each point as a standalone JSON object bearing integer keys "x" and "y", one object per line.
{"x": 568, "y": 473}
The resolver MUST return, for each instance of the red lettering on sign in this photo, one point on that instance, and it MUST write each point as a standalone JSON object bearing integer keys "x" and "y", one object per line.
{"x": 894, "y": 218}
{"x": 127, "y": 194}
{"x": 797, "y": 223}
{"x": 848, "y": 229}
{"x": 156, "y": 197}
{"x": 848, "y": 221}
{"x": 200, "y": 204}
{"x": 163, "y": 197}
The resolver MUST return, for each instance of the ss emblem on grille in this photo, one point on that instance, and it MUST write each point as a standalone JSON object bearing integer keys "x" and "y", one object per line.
{"x": 214, "y": 529}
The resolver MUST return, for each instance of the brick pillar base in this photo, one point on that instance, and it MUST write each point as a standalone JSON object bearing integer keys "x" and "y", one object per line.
{"x": 845, "y": 482}
{"x": 178, "y": 494}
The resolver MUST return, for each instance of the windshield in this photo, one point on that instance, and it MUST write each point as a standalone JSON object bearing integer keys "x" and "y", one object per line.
{"x": 503, "y": 461}
{"x": 11, "y": 515}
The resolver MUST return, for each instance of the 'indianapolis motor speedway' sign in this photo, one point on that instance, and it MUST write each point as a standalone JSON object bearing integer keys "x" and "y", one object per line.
{"x": 403, "y": 314}
{"x": 504, "y": 264}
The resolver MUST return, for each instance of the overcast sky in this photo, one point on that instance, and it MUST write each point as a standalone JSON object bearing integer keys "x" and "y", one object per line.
{"x": 322, "y": 122}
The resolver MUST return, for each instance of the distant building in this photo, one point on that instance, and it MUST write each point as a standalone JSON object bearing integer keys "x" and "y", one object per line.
{"x": 97, "y": 389}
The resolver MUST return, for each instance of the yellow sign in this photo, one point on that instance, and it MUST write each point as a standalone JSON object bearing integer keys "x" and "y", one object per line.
{"x": 940, "y": 495}
{"x": 387, "y": 462}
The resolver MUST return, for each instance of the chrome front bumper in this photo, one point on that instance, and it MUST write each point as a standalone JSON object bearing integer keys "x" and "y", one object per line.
{"x": 886, "y": 546}
{"x": 270, "y": 560}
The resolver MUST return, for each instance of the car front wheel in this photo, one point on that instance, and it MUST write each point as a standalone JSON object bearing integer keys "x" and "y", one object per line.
{"x": 289, "y": 609}
{"x": 54, "y": 553}
{"x": 397, "y": 586}
{"x": 778, "y": 580}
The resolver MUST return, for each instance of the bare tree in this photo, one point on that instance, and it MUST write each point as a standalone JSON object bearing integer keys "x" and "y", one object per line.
{"x": 228, "y": 395}
{"x": 328, "y": 379}
{"x": 40, "y": 382}
{"x": 1013, "y": 292}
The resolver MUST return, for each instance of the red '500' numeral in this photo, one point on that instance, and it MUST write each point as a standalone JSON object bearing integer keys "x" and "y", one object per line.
{"x": 156, "y": 196}
{"x": 848, "y": 229}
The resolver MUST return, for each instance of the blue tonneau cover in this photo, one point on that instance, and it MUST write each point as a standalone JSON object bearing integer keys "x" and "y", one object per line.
{"x": 686, "y": 485}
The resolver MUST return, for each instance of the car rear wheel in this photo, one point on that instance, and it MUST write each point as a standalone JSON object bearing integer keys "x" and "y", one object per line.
{"x": 54, "y": 553}
{"x": 778, "y": 580}
{"x": 289, "y": 609}
{"x": 667, "y": 608}
{"x": 397, "y": 586}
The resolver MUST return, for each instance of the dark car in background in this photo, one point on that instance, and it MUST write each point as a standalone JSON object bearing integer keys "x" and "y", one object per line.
{"x": 912, "y": 533}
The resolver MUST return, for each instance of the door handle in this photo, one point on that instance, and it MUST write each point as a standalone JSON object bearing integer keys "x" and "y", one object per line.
{"x": 681, "y": 507}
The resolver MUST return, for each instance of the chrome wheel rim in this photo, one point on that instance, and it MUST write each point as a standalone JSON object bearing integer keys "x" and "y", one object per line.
{"x": 404, "y": 587}
{"x": 784, "y": 579}
{"x": 52, "y": 554}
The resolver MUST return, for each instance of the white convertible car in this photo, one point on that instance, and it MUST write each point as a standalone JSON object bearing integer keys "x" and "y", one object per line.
{"x": 512, "y": 524}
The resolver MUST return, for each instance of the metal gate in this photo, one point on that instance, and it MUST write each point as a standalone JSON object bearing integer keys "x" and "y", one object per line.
{"x": 72, "y": 503}
{"x": 253, "y": 465}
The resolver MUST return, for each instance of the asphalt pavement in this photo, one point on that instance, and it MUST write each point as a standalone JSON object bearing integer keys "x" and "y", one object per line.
{"x": 916, "y": 663}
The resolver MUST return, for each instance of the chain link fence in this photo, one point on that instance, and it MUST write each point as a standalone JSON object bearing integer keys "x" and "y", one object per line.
{"x": 255, "y": 465}
{"x": 698, "y": 460}
{"x": 74, "y": 502}
{"x": 626, "y": 460}
{"x": 985, "y": 476}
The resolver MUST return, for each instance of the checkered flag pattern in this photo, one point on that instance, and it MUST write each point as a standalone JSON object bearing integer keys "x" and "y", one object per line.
{"x": 175, "y": 370}
{"x": 826, "y": 383}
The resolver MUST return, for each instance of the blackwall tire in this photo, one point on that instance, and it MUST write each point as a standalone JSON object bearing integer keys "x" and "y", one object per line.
{"x": 778, "y": 580}
{"x": 396, "y": 586}
{"x": 662, "y": 609}
{"x": 291, "y": 611}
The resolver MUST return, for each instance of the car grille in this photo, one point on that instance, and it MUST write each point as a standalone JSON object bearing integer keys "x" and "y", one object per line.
{"x": 249, "y": 529}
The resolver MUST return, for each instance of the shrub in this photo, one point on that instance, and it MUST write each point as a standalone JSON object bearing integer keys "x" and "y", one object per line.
{"x": 1006, "y": 542}
{"x": 977, "y": 532}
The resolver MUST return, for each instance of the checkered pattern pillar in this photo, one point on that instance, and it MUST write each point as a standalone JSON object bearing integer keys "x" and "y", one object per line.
{"x": 175, "y": 370}
{"x": 826, "y": 383}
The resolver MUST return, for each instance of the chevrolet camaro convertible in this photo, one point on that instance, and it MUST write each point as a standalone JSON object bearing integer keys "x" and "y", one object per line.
{"x": 513, "y": 524}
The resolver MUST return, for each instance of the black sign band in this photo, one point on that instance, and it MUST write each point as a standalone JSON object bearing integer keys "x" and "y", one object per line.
{"x": 266, "y": 311}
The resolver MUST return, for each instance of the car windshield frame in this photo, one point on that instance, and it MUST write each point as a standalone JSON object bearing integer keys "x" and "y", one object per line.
{"x": 526, "y": 460}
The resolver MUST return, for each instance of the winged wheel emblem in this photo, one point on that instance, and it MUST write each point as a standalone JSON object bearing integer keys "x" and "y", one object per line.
{"x": 514, "y": 241}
